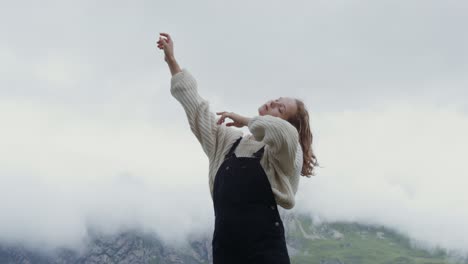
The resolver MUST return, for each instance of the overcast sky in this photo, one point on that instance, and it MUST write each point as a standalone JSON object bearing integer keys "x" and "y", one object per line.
{"x": 91, "y": 136}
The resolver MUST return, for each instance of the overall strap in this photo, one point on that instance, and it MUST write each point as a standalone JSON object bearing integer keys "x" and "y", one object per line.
{"x": 231, "y": 151}
{"x": 259, "y": 152}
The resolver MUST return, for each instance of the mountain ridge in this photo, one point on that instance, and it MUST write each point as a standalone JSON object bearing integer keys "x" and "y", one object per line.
{"x": 308, "y": 242}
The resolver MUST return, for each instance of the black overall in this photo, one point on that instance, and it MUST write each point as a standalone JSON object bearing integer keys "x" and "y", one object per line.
{"x": 248, "y": 227}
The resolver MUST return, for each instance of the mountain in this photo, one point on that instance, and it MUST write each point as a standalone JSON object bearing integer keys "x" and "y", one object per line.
{"x": 308, "y": 242}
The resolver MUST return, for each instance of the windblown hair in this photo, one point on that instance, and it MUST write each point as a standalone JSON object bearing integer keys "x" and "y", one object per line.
{"x": 301, "y": 122}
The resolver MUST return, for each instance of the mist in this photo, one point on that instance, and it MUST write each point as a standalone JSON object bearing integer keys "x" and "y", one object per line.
{"x": 91, "y": 137}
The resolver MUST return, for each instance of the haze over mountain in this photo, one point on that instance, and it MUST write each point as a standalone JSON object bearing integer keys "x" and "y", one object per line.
{"x": 91, "y": 136}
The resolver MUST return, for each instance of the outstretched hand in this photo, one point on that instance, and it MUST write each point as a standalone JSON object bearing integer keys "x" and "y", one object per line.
{"x": 239, "y": 121}
{"x": 166, "y": 44}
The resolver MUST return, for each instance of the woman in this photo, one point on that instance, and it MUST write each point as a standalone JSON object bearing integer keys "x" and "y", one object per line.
{"x": 248, "y": 176}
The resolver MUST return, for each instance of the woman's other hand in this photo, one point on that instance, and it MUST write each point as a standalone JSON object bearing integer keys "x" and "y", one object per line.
{"x": 167, "y": 45}
{"x": 239, "y": 121}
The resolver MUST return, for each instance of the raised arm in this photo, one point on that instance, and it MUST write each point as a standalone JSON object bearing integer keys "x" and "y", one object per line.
{"x": 212, "y": 137}
{"x": 168, "y": 46}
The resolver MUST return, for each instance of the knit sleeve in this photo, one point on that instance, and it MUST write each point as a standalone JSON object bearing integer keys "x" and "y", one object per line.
{"x": 202, "y": 121}
{"x": 281, "y": 138}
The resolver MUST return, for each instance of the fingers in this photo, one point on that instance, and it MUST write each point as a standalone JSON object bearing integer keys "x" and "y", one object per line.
{"x": 237, "y": 121}
{"x": 160, "y": 43}
{"x": 166, "y": 35}
{"x": 168, "y": 40}
{"x": 164, "y": 42}
{"x": 221, "y": 120}
{"x": 223, "y": 116}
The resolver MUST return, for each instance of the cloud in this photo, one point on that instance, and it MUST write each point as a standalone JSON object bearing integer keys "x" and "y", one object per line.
{"x": 91, "y": 135}
{"x": 67, "y": 171}
{"x": 400, "y": 165}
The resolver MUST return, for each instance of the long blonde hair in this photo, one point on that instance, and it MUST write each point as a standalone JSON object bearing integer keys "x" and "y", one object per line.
{"x": 301, "y": 122}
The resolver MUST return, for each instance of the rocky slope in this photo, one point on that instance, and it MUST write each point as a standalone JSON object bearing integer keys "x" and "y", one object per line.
{"x": 326, "y": 243}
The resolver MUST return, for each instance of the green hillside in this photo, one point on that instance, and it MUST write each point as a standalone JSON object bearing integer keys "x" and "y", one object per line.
{"x": 353, "y": 243}
{"x": 308, "y": 243}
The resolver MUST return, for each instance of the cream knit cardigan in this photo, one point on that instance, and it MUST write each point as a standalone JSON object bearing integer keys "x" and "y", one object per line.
{"x": 282, "y": 157}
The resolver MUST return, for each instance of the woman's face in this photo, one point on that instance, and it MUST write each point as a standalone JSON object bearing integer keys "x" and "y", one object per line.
{"x": 282, "y": 107}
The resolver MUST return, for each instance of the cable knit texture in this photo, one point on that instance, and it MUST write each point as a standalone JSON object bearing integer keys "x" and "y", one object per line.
{"x": 282, "y": 158}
